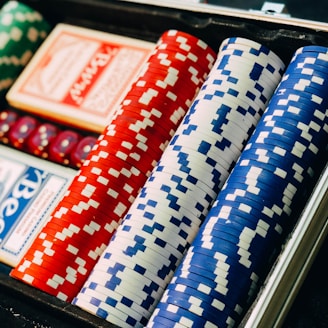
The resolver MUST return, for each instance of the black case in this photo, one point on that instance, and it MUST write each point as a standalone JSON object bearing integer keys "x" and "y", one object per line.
{"x": 24, "y": 306}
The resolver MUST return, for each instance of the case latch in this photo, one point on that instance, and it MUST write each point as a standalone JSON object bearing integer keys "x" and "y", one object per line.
{"x": 274, "y": 9}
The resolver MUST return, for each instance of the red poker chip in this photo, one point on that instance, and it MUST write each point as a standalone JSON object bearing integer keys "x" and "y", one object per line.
{"x": 57, "y": 265}
{"x": 143, "y": 138}
{"x": 82, "y": 150}
{"x": 116, "y": 177}
{"x": 191, "y": 63}
{"x": 65, "y": 291}
{"x": 61, "y": 254}
{"x": 125, "y": 189}
{"x": 144, "y": 161}
{"x": 112, "y": 166}
{"x": 104, "y": 184}
{"x": 195, "y": 53}
{"x": 150, "y": 139}
{"x": 78, "y": 241}
{"x": 101, "y": 215}
{"x": 179, "y": 37}
{"x": 178, "y": 95}
{"x": 31, "y": 277}
{"x": 153, "y": 147}
{"x": 80, "y": 214}
{"x": 177, "y": 110}
{"x": 115, "y": 192}
{"x": 39, "y": 272}
{"x": 181, "y": 62}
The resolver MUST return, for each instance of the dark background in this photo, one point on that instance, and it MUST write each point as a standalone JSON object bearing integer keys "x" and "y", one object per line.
{"x": 305, "y": 9}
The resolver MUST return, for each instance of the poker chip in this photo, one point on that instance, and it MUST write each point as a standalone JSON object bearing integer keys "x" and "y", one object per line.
{"x": 165, "y": 216}
{"x": 117, "y": 167}
{"x": 23, "y": 30}
{"x": 258, "y": 203}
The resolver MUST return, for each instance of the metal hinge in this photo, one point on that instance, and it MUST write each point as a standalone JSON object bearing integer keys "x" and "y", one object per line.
{"x": 273, "y": 9}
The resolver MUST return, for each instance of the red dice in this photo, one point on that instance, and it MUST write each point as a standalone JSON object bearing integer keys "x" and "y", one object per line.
{"x": 62, "y": 146}
{"x": 39, "y": 141}
{"x": 7, "y": 119}
{"x": 82, "y": 150}
{"x": 21, "y": 131}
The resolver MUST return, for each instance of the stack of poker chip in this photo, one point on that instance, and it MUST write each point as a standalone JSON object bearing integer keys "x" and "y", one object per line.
{"x": 22, "y": 30}
{"x": 80, "y": 227}
{"x": 140, "y": 260}
{"x": 258, "y": 205}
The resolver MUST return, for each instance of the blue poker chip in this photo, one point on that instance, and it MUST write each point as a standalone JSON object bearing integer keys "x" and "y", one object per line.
{"x": 230, "y": 249}
{"x": 252, "y": 246}
{"x": 238, "y": 226}
{"x": 294, "y": 170}
{"x": 260, "y": 174}
{"x": 254, "y": 212}
{"x": 299, "y": 111}
{"x": 305, "y": 102}
{"x": 280, "y": 150}
{"x": 164, "y": 322}
{"x": 299, "y": 151}
{"x": 243, "y": 214}
{"x": 179, "y": 314}
{"x": 299, "y": 144}
{"x": 295, "y": 131}
{"x": 262, "y": 179}
{"x": 259, "y": 204}
{"x": 282, "y": 173}
{"x": 234, "y": 302}
{"x": 264, "y": 156}
{"x": 204, "y": 310}
{"x": 306, "y": 71}
{"x": 301, "y": 100}
{"x": 248, "y": 249}
{"x": 207, "y": 294}
{"x": 298, "y": 82}
{"x": 312, "y": 48}
{"x": 200, "y": 263}
{"x": 297, "y": 85}
{"x": 317, "y": 60}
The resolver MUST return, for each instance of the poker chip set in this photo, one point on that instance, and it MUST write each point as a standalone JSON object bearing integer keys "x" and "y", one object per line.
{"x": 60, "y": 259}
{"x": 135, "y": 268}
{"x": 224, "y": 266}
{"x": 181, "y": 205}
